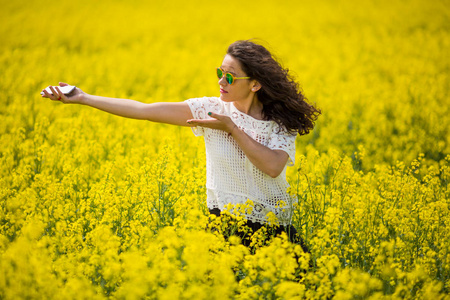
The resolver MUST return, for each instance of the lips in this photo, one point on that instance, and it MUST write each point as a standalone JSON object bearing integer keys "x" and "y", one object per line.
{"x": 222, "y": 91}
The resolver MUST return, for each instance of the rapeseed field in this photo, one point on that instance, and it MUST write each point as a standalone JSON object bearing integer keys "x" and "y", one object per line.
{"x": 94, "y": 206}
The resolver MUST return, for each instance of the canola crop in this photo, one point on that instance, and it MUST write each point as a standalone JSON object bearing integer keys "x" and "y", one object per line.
{"x": 94, "y": 206}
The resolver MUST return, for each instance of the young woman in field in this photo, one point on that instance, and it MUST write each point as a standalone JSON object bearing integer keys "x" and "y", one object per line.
{"x": 249, "y": 131}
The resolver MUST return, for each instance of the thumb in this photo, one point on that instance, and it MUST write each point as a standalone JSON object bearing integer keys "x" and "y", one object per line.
{"x": 62, "y": 83}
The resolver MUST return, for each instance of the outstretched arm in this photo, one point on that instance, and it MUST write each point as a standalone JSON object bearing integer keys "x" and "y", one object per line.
{"x": 176, "y": 113}
{"x": 269, "y": 161}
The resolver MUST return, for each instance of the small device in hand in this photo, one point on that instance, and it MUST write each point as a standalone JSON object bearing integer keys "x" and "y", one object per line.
{"x": 64, "y": 89}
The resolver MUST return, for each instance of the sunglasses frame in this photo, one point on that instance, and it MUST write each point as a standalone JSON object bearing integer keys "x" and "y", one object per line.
{"x": 228, "y": 75}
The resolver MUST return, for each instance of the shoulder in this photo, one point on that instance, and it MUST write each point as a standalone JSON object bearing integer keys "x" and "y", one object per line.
{"x": 280, "y": 134}
{"x": 282, "y": 139}
{"x": 211, "y": 101}
{"x": 201, "y": 106}
{"x": 283, "y": 135}
{"x": 282, "y": 131}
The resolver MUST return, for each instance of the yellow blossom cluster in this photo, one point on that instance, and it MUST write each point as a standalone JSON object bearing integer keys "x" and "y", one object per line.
{"x": 93, "y": 206}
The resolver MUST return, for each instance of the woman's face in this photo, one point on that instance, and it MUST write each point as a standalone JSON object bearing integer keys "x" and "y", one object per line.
{"x": 241, "y": 89}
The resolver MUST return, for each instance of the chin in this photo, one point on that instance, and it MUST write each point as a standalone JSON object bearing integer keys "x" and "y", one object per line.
{"x": 225, "y": 98}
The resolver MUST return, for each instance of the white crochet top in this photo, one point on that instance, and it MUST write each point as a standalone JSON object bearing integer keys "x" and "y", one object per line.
{"x": 230, "y": 176}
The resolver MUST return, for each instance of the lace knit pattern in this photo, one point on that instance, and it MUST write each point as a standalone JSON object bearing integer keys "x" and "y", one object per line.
{"x": 230, "y": 176}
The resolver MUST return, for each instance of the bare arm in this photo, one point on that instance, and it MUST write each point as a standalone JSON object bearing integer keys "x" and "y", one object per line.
{"x": 176, "y": 113}
{"x": 269, "y": 161}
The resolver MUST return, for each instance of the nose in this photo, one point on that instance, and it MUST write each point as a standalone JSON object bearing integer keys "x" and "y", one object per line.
{"x": 223, "y": 81}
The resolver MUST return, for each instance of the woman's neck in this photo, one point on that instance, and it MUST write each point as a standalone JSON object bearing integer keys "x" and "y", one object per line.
{"x": 252, "y": 107}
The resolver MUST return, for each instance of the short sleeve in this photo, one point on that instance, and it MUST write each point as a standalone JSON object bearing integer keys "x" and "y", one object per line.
{"x": 200, "y": 108}
{"x": 283, "y": 141}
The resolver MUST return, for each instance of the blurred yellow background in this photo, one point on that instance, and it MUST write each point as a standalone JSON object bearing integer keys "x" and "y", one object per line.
{"x": 372, "y": 178}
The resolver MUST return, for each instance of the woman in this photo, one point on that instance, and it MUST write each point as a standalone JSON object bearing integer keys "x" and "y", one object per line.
{"x": 249, "y": 131}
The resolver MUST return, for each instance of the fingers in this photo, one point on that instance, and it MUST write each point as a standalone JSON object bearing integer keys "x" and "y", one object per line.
{"x": 49, "y": 95}
{"x": 213, "y": 123}
{"x": 56, "y": 93}
{"x": 201, "y": 122}
{"x": 61, "y": 95}
{"x": 215, "y": 116}
{"x": 46, "y": 94}
{"x": 209, "y": 123}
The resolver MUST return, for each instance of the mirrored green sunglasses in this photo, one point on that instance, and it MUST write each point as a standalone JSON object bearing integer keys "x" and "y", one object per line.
{"x": 228, "y": 76}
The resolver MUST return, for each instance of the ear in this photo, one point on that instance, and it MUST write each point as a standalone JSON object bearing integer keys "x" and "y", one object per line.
{"x": 255, "y": 86}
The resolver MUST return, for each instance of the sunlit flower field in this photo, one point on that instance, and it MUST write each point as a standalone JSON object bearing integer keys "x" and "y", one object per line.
{"x": 94, "y": 206}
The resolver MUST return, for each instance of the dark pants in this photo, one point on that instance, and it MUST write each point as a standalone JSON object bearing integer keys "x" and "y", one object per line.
{"x": 254, "y": 226}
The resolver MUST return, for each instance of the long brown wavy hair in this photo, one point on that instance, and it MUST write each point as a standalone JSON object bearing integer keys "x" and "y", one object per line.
{"x": 282, "y": 99}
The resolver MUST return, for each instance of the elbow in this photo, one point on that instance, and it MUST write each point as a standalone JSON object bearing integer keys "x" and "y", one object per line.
{"x": 274, "y": 166}
{"x": 274, "y": 173}
{"x": 275, "y": 169}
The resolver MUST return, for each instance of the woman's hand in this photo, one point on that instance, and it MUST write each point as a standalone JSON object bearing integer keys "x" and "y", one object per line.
{"x": 75, "y": 96}
{"x": 271, "y": 162}
{"x": 220, "y": 122}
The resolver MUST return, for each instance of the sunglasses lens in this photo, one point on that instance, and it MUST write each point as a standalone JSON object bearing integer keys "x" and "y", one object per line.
{"x": 219, "y": 73}
{"x": 229, "y": 78}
